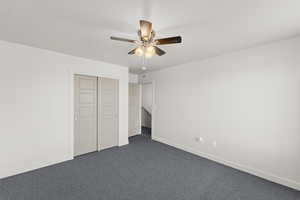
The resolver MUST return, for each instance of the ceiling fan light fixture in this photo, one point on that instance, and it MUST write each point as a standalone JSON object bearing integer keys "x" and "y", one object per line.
{"x": 139, "y": 51}
{"x": 147, "y": 44}
{"x": 148, "y": 55}
{"x": 149, "y": 51}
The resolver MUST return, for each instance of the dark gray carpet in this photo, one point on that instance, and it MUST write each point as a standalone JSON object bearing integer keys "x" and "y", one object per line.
{"x": 143, "y": 170}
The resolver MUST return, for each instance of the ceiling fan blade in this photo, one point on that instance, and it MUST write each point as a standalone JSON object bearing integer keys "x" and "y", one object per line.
{"x": 146, "y": 29}
{"x": 132, "y": 51}
{"x": 170, "y": 40}
{"x": 123, "y": 39}
{"x": 159, "y": 51}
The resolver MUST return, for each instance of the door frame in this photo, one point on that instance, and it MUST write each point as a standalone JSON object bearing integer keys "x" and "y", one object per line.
{"x": 153, "y": 105}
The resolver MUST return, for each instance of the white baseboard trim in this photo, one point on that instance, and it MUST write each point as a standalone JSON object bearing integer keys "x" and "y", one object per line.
{"x": 123, "y": 144}
{"x": 134, "y": 134}
{"x": 250, "y": 170}
{"x": 35, "y": 166}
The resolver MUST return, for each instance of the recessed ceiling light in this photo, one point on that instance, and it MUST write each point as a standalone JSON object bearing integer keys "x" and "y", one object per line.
{"x": 144, "y": 68}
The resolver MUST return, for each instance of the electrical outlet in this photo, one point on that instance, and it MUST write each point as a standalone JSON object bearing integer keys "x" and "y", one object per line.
{"x": 215, "y": 144}
{"x": 199, "y": 139}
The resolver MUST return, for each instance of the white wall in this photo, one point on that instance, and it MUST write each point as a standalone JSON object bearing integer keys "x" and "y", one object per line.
{"x": 36, "y": 105}
{"x": 248, "y": 102}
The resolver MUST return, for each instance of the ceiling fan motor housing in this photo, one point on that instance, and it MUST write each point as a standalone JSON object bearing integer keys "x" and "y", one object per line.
{"x": 146, "y": 39}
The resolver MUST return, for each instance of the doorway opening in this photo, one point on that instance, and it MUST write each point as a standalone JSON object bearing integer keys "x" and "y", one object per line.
{"x": 147, "y": 109}
{"x": 95, "y": 113}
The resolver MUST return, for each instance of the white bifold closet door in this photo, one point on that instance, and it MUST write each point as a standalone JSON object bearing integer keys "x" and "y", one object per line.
{"x": 108, "y": 112}
{"x": 85, "y": 111}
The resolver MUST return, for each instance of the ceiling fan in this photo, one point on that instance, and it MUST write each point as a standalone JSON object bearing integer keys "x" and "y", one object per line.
{"x": 146, "y": 43}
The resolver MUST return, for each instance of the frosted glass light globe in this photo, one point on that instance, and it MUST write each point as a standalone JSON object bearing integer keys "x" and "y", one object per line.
{"x": 139, "y": 51}
{"x": 149, "y": 51}
{"x": 148, "y": 55}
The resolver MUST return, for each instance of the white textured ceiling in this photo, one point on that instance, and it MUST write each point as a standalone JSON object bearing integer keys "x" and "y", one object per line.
{"x": 208, "y": 27}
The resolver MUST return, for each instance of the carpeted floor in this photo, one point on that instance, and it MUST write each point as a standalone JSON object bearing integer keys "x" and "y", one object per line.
{"x": 143, "y": 170}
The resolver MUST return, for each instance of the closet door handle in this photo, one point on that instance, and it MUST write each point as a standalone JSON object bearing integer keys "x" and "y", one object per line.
{"x": 76, "y": 116}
